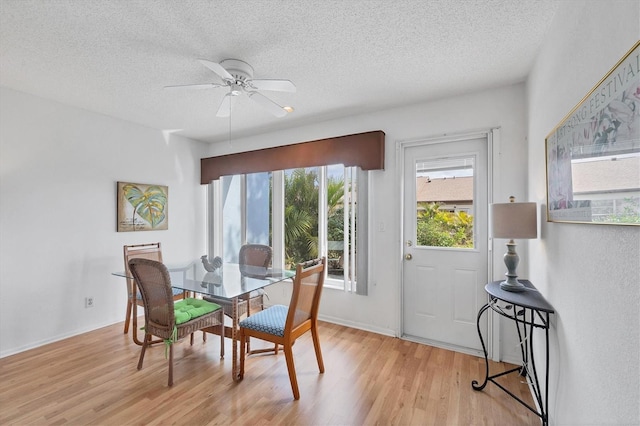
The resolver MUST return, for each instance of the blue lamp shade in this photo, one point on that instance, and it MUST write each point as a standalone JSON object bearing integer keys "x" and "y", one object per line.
{"x": 512, "y": 221}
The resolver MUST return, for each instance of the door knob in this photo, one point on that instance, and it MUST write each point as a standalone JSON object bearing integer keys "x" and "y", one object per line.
{"x": 408, "y": 256}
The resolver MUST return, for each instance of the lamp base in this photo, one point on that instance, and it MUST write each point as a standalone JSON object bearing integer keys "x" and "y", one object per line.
{"x": 511, "y": 260}
{"x": 512, "y": 284}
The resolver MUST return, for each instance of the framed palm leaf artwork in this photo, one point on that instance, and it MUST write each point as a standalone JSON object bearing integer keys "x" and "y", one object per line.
{"x": 142, "y": 207}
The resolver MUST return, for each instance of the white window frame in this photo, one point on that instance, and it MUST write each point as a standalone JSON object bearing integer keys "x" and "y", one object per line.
{"x": 215, "y": 219}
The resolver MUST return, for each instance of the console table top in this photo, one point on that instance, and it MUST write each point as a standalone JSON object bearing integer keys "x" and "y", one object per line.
{"x": 529, "y": 298}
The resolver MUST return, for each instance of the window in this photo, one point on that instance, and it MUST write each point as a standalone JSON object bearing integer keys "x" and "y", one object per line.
{"x": 302, "y": 213}
{"x": 444, "y": 202}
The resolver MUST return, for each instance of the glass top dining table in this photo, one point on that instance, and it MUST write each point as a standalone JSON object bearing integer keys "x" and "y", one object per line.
{"x": 229, "y": 281}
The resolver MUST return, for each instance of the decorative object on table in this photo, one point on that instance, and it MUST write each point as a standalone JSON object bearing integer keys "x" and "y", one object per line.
{"x": 513, "y": 220}
{"x": 593, "y": 154}
{"x": 211, "y": 265}
{"x": 237, "y": 76}
{"x": 282, "y": 325}
{"x": 212, "y": 279}
{"x": 142, "y": 207}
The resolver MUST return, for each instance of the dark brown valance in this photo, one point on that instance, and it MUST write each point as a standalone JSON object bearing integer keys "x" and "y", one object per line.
{"x": 365, "y": 150}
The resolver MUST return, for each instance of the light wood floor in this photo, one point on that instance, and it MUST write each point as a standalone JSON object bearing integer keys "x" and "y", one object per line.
{"x": 368, "y": 379}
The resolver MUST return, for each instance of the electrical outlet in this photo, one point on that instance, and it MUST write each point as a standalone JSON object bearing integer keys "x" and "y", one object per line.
{"x": 88, "y": 302}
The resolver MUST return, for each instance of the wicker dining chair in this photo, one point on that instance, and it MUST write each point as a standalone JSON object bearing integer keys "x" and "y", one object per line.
{"x": 152, "y": 251}
{"x": 165, "y": 319}
{"x": 282, "y": 325}
{"x": 249, "y": 255}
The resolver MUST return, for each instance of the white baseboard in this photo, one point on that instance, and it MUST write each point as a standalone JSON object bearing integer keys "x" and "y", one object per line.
{"x": 357, "y": 325}
{"x": 441, "y": 345}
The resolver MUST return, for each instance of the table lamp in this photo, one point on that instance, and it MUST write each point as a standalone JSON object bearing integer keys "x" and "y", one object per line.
{"x": 513, "y": 220}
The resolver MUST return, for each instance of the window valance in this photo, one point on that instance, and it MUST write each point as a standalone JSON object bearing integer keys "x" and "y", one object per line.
{"x": 364, "y": 150}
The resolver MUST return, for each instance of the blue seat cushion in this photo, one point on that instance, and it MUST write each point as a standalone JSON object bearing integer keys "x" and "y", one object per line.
{"x": 270, "y": 320}
{"x": 188, "y": 309}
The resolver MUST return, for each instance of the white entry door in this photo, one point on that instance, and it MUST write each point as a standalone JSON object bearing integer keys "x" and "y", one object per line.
{"x": 445, "y": 265}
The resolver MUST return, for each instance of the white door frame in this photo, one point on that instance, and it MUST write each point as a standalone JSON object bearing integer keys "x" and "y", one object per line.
{"x": 493, "y": 139}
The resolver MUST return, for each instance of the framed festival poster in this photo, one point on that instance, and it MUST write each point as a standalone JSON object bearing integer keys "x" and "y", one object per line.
{"x": 593, "y": 155}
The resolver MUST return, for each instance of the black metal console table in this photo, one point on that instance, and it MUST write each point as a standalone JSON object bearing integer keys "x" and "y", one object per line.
{"x": 529, "y": 310}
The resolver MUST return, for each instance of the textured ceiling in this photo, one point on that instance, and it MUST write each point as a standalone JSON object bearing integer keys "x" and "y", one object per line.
{"x": 346, "y": 57}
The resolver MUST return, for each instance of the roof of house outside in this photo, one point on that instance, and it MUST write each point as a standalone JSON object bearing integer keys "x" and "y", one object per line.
{"x": 606, "y": 175}
{"x": 449, "y": 190}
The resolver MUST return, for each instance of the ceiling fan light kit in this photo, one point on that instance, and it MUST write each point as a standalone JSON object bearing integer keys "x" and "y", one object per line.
{"x": 237, "y": 75}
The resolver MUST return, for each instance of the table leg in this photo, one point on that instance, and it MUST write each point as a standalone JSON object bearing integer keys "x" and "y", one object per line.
{"x": 235, "y": 370}
{"x": 247, "y": 299}
{"x": 545, "y": 407}
{"x": 474, "y": 383}
{"x": 528, "y": 367}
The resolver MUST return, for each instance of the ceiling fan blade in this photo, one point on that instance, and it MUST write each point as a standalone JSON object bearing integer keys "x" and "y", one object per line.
{"x": 267, "y": 104}
{"x": 218, "y": 69}
{"x": 274, "y": 85}
{"x": 195, "y": 86}
{"x": 224, "y": 110}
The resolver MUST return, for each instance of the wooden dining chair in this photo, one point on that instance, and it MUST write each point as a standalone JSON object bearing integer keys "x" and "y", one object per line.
{"x": 250, "y": 255}
{"x": 164, "y": 318}
{"x": 282, "y": 325}
{"x": 152, "y": 251}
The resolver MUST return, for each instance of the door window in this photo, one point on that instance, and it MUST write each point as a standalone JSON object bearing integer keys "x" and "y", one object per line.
{"x": 444, "y": 202}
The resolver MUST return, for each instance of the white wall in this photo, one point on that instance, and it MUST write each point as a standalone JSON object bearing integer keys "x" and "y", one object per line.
{"x": 380, "y": 310}
{"x": 589, "y": 273}
{"x": 58, "y": 243}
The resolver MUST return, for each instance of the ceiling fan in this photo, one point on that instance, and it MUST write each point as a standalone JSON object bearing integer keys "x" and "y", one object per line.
{"x": 237, "y": 75}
